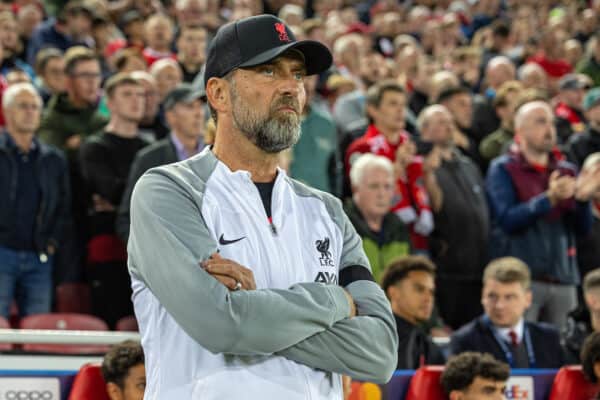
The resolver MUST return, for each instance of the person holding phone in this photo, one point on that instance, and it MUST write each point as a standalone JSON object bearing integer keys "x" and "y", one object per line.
{"x": 458, "y": 244}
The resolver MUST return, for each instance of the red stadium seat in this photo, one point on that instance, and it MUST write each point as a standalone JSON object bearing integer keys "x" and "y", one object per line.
{"x": 127, "y": 324}
{"x": 570, "y": 383}
{"x": 5, "y": 325}
{"x": 64, "y": 321}
{"x": 13, "y": 314}
{"x": 73, "y": 298}
{"x": 365, "y": 391}
{"x": 425, "y": 384}
{"x": 89, "y": 384}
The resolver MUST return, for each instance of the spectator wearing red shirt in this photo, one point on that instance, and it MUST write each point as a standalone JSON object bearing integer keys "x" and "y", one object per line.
{"x": 549, "y": 56}
{"x": 385, "y": 136}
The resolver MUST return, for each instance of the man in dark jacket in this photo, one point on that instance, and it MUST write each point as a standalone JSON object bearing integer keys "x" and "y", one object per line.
{"x": 588, "y": 142}
{"x": 538, "y": 207}
{"x": 409, "y": 284}
{"x": 105, "y": 161}
{"x": 585, "y": 319}
{"x": 459, "y": 242}
{"x": 502, "y": 330}
{"x": 35, "y": 212}
{"x": 72, "y": 27}
{"x": 184, "y": 110}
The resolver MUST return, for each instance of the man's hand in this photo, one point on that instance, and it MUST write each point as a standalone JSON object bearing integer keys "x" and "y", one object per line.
{"x": 229, "y": 273}
{"x": 560, "y": 187}
{"x": 73, "y": 142}
{"x": 587, "y": 183}
{"x": 352, "y": 304}
{"x": 101, "y": 204}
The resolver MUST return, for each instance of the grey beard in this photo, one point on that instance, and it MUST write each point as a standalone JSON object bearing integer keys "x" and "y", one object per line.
{"x": 270, "y": 133}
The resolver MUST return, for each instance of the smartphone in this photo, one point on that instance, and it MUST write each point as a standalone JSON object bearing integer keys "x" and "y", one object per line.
{"x": 424, "y": 148}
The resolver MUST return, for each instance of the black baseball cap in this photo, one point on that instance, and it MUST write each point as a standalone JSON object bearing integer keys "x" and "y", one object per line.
{"x": 183, "y": 93}
{"x": 256, "y": 40}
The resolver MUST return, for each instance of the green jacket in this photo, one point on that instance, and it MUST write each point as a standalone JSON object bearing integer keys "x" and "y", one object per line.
{"x": 495, "y": 143}
{"x": 391, "y": 243}
{"x": 314, "y": 151}
{"x": 62, "y": 119}
{"x": 590, "y": 67}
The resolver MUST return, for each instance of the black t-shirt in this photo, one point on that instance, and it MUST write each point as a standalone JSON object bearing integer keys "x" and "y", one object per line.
{"x": 266, "y": 192}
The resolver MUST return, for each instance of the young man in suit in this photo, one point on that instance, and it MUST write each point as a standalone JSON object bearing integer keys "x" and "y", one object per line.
{"x": 502, "y": 331}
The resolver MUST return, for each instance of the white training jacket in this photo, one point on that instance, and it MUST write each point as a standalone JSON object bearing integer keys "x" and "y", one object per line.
{"x": 289, "y": 339}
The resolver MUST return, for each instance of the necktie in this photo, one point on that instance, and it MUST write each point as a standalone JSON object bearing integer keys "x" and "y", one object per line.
{"x": 514, "y": 340}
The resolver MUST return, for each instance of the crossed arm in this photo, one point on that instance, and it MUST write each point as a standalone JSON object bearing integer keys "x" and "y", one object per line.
{"x": 309, "y": 323}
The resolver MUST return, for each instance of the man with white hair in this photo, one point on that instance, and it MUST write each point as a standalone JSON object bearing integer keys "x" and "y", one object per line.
{"x": 384, "y": 235}
{"x": 539, "y": 205}
{"x": 532, "y": 76}
{"x": 36, "y": 205}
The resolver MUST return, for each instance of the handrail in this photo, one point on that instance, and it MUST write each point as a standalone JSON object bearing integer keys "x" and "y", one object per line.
{"x": 49, "y": 336}
{"x": 90, "y": 337}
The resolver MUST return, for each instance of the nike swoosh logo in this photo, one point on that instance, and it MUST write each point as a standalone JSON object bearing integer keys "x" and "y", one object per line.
{"x": 224, "y": 242}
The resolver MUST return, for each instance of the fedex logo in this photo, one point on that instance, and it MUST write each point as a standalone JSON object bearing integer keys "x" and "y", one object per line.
{"x": 519, "y": 388}
{"x": 516, "y": 392}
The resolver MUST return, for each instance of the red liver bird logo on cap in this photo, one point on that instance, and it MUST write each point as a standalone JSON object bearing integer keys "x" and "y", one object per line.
{"x": 280, "y": 28}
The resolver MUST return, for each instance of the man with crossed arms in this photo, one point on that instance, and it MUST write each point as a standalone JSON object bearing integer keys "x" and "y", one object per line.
{"x": 248, "y": 284}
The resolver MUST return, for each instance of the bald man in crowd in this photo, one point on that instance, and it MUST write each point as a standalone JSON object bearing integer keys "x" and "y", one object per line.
{"x": 499, "y": 70}
{"x": 538, "y": 205}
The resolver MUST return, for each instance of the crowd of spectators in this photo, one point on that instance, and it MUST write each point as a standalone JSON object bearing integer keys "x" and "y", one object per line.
{"x": 460, "y": 135}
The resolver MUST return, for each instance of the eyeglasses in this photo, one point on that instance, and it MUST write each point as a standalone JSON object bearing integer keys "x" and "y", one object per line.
{"x": 27, "y": 106}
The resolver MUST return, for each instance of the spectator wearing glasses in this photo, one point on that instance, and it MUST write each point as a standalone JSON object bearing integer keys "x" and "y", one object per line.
{"x": 72, "y": 116}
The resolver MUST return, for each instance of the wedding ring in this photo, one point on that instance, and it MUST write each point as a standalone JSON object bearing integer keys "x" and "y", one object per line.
{"x": 238, "y": 285}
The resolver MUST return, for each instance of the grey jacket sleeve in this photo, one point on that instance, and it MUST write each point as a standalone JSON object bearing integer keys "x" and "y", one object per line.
{"x": 364, "y": 347}
{"x": 168, "y": 240}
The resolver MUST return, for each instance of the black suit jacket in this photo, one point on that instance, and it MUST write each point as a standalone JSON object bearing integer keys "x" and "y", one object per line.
{"x": 477, "y": 336}
{"x": 157, "y": 154}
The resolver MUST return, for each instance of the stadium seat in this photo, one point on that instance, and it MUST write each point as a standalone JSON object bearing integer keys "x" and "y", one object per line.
{"x": 5, "y": 325}
{"x": 425, "y": 384}
{"x": 64, "y": 321}
{"x": 127, "y": 324}
{"x": 73, "y": 298}
{"x": 365, "y": 391}
{"x": 570, "y": 383}
{"x": 89, "y": 384}
{"x": 13, "y": 315}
